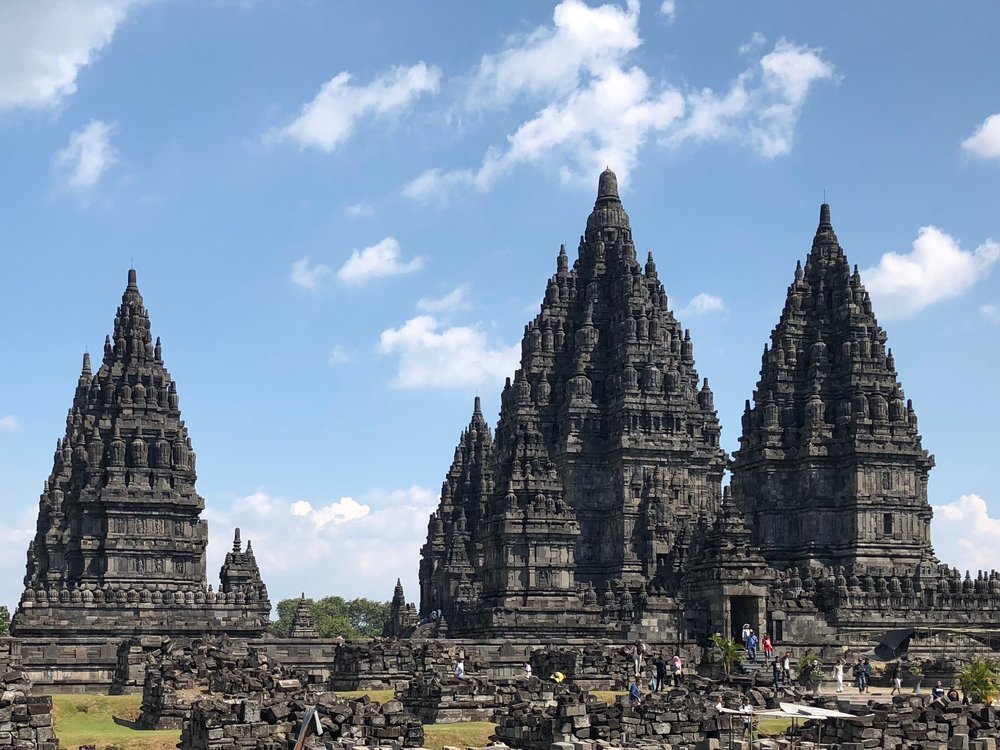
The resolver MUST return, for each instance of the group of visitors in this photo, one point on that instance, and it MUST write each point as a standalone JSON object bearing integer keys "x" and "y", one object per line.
{"x": 752, "y": 643}
{"x": 662, "y": 672}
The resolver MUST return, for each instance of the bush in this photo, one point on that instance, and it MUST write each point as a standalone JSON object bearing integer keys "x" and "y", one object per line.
{"x": 980, "y": 680}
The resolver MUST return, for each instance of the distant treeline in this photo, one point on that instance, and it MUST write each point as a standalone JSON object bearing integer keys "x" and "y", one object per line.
{"x": 334, "y": 615}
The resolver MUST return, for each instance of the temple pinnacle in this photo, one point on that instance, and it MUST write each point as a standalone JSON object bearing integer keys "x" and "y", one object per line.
{"x": 824, "y": 215}
{"x": 607, "y": 187}
{"x": 132, "y": 284}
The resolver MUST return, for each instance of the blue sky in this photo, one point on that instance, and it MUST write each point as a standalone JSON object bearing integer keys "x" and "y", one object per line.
{"x": 343, "y": 213}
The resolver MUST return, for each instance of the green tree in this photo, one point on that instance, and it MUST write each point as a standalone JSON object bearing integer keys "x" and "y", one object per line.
{"x": 4, "y": 620}
{"x": 980, "y": 680}
{"x": 334, "y": 615}
{"x": 728, "y": 652}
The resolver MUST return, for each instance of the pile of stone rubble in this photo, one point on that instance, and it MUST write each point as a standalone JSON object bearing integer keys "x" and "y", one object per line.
{"x": 25, "y": 719}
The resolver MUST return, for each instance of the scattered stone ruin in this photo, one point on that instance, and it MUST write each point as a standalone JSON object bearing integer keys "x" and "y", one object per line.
{"x": 913, "y": 723}
{"x": 25, "y": 718}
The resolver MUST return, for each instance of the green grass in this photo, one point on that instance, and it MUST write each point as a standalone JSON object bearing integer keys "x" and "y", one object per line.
{"x": 774, "y": 726}
{"x": 462, "y": 734}
{"x": 87, "y": 720}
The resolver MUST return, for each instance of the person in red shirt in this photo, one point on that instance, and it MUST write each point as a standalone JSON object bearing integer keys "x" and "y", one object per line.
{"x": 768, "y": 649}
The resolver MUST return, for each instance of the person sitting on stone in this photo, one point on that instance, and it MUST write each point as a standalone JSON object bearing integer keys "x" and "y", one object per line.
{"x": 937, "y": 692}
{"x": 460, "y": 669}
{"x": 527, "y": 671}
{"x": 634, "y": 691}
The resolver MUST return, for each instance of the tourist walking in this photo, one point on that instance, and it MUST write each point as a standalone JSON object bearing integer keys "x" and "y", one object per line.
{"x": 786, "y": 667}
{"x": 752, "y": 643}
{"x": 768, "y": 649}
{"x": 638, "y": 654}
{"x": 838, "y": 673}
{"x": 858, "y": 676}
{"x": 661, "y": 672}
{"x": 775, "y": 673}
{"x": 897, "y": 679}
{"x": 677, "y": 669}
{"x": 866, "y": 673}
{"x": 745, "y": 633}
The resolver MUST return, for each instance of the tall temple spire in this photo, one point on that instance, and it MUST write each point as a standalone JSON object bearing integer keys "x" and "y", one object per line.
{"x": 607, "y": 441}
{"x": 120, "y": 510}
{"x": 829, "y": 444}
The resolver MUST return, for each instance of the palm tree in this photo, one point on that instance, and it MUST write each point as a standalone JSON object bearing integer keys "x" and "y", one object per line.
{"x": 980, "y": 680}
{"x": 730, "y": 653}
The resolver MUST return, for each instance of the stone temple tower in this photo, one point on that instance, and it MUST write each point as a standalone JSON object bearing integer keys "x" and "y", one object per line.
{"x": 831, "y": 470}
{"x": 120, "y": 543}
{"x": 606, "y": 452}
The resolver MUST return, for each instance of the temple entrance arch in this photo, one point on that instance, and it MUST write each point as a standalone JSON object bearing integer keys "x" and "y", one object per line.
{"x": 743, "y": 610}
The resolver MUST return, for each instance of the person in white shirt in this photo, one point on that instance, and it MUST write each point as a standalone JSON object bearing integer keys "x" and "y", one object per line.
{"x": 838, "y": 673}
{"x": 747, "y": 710}
{"x": 460, "y": 669}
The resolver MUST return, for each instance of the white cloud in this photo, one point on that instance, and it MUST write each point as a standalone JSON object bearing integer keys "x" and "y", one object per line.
{"x": 9, "y": 424}
{"x": 762, "y": 105}
{"x": 87, "y": 156}
{"x": 46, "y": 43}
{"x": 991, "y": 313}
{"x": 703, "y": 304}
{"x": 457, "y": 299}
{"x": 380, "y": 260}
{"x": 985, "y": 142}
{"x": 359, "y": 210}
{"x": 455, "y": 357}
{"x": 596, "y": 109}
{"x": 345, "y": 510}
{"x": 308, "y": 276}
{"x": 341, "y": 356}
{"x": 551, "y": 61}
{"x": 260, "y": 504}
{"x": 331, "y": 117}
{"x": 302, "y": 545}
{"x": 668, "y": 9}
{"x": 757, "y": 40}
{"x": 936, "y": 269}
{"x": 965, "y": 535}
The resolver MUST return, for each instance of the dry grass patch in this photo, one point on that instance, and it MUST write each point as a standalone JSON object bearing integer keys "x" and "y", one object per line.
{"x": 460, "y": 734}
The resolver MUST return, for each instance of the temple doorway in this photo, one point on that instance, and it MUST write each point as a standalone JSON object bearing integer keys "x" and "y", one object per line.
{"x": 743, "y": 609}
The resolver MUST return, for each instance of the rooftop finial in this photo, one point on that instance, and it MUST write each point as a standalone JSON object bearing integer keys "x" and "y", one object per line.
{"x": 477, "y": 406}
{"x": 236, "y": 540}
{"x": 824, "y": 215}
{"x": 131, "y": 279}
{"x": 86, "y": 363}
{"x": 607, "y": 187}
